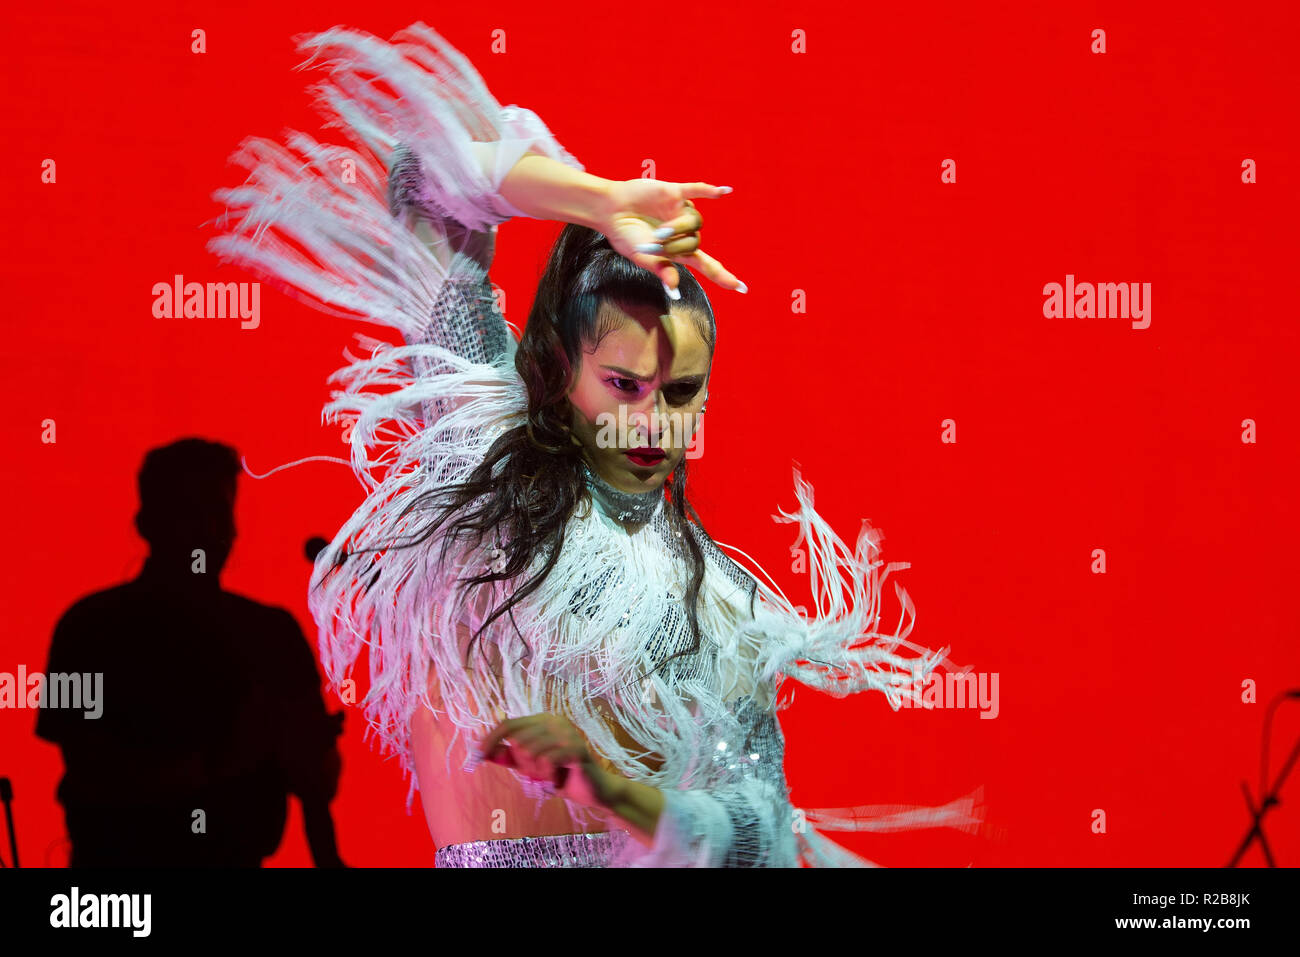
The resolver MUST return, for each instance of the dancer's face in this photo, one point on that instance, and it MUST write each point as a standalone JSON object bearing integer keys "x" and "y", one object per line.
{"x": 642, "y": 388}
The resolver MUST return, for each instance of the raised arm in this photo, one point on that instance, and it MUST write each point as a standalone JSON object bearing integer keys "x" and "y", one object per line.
{"x": 650, "y": 222}
{"x": 321, "y": 220}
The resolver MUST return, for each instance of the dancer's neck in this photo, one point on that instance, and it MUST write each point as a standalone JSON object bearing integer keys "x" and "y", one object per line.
{"x": 631, "y": 508}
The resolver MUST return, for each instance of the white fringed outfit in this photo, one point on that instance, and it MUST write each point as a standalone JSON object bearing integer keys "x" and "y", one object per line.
{"x": 334, "y": 224}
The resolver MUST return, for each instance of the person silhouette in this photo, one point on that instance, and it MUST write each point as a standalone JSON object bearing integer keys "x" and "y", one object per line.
{"x": 210, "y": 710}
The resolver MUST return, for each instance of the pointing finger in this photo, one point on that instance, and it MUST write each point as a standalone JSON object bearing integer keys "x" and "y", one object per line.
{"x": 714, "y": 270}
{"x": 703, "y": 190}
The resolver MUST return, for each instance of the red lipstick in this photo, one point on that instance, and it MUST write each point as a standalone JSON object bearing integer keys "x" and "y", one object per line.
{"x": 645, "y": 457}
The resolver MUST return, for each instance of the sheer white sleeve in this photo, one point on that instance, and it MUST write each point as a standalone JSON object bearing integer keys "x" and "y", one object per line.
{"x": 421, "y": 94}
{"x": 461, "y": 181}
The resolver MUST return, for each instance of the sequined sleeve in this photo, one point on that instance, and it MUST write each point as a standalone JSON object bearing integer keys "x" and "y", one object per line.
{"x": 750, "y": 823}
{"x": 458, "y": 224}
{"x": 742, "y": 818}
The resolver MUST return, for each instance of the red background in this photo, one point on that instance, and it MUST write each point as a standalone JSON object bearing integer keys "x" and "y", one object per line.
{"x": 1120, "y": 692}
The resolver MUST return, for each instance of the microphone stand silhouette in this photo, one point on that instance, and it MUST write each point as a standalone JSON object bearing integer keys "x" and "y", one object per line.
{"x": 7, "y": 796}
{"x": 1269, "y": 796}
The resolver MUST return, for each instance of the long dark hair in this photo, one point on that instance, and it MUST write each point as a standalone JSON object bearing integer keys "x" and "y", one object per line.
{"x": 522, "y": 494}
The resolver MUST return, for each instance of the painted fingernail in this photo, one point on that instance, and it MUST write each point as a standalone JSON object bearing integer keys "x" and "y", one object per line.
{"x": 724, "y": 189}
{"x": 663, "y": 232}
{"x": 742, "y": 288}
{"x": 672, "y": 293}
{"x": 650, "y": 247}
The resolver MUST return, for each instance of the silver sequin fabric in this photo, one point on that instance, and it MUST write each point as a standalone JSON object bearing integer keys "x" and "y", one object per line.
{"x": 466, "y": 321}
{"x": 465, "y": 318}
{"x": 623, "y": 506}
{"x": 761, "y": 755}
{"x": 556, "y": 850}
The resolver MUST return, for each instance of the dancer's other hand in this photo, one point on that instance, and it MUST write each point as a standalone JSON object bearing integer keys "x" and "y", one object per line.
{"x": 548, "y": 747}
{"x": 636, "y": 208}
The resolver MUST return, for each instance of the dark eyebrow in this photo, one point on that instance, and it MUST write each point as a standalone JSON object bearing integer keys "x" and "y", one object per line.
{"x": 691, "y": 379}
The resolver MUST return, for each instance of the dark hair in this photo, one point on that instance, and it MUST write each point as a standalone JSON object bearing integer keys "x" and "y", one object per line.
{"x": 530, "y": 480}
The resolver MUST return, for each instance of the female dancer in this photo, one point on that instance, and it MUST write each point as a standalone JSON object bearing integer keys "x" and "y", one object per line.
{"x": 575, "y": 672}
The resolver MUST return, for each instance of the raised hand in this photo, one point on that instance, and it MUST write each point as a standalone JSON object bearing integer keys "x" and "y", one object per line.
{"x": 654, "y": 224}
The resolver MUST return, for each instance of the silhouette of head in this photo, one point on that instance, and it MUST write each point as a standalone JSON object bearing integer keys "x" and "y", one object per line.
{"x": 187, "y": 502}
